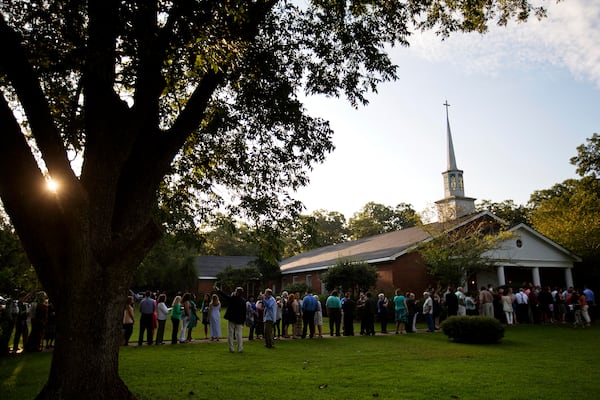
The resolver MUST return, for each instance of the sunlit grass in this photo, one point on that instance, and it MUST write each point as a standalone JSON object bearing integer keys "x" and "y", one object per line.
{"x": 530, "y": 362}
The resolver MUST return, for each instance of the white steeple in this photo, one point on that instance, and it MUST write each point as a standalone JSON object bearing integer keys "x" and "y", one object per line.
{"x": 454, "y": 204}
{"x": 451, "y": 156}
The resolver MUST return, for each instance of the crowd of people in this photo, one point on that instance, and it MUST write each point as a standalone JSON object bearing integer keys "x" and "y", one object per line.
{"x": 529, "y": 304}
{"x": 185, "y": 311}
{"x": 31, "y": 320}
{"x": 292, "y": 315}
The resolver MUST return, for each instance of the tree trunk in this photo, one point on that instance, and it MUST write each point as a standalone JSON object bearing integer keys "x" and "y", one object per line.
{"x": 85, "y": 362}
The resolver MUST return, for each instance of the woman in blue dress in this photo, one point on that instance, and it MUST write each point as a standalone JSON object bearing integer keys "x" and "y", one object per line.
{"x": 401, "y": 312}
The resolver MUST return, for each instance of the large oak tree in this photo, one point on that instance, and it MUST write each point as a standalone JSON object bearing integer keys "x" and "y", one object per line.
{"x": 169, "y": 103}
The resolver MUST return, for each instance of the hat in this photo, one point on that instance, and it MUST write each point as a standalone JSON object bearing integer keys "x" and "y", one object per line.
{"x": 239, "y": 289}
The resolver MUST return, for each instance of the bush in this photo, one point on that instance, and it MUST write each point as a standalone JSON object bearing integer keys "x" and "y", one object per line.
{"x": 473, "y": 329}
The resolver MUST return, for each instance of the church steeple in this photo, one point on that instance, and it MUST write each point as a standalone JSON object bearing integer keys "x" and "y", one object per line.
{"x": 454, "y": 204}
{"x": 451, "y": 156}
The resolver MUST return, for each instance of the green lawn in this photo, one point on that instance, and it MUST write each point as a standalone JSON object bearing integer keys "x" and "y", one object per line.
{"x": 531, "y": 362}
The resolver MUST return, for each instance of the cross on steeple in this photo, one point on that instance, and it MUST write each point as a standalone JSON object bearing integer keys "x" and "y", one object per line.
{"x": 446, "y": 105}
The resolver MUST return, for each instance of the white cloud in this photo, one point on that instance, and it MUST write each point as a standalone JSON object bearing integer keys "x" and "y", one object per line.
{"x": 568, "y": 38}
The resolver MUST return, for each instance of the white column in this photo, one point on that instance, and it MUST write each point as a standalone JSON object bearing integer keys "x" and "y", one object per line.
{"x": 568, "y": 278}
{"x": 501, "y": 277}
{"x": 536, "y": 276}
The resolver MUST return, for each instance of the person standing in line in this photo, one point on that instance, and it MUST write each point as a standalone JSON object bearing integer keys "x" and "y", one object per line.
{"x": 259, "y": 327}
{"x": 289, "y": 314}
{"x": 39, "y": 317}
{"x": 193, "y": 317}
{"x": 147, "y": 308}
{"x": 279, "y": 317}
{"x": 319, "y": 317}
{"x": 411, "y": 312}
{"x": 175, "y": 318}
{"x": 400, "y": 312}
{"x": 185, "y": 316}
{"x": 214, "y": 315}
{"x": 522, "y": 306}
{"x": 486, "y": 303}
{"x": 251, "y": 315}
{"x": 162, "y": 312}
{"x": 561, "y": 309}
{"x": 382, "y": 311}
{"x": 437, "y": 309}
{"x": 309, "y": 308}
{"x": 471, "y": 303}
{"x": 534, "y": 305}
{"x": 348, "y": 307}
{"x": 428, "y": 312}
{"x": 205, "y": 321}
{"x": 462, "y": 308}
{"x": 546, "y": 302}
{"x": 334, "y": 311}
{"x": 50, "y": 332}
{"x": 235, "y": 316}
{"x": 298, "y": 311}
{"x": 507, "y": 306}
{"x": 370, "y": 311}
{"x": 21, "y": 326}
{"x": 269, "y": 318}
{"x": 590, "y": 299}
{"x": 584, "y": 307}
{"x": 360, "y": 311}
{"x": 451, "y": 301}
{"x": 128, "y": 320}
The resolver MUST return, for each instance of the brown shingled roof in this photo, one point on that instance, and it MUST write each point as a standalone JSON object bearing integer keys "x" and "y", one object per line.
{"x": 386, "y": 246}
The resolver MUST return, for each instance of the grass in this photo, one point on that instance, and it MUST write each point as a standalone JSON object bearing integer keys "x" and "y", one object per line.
{"x": 530, "y": 362}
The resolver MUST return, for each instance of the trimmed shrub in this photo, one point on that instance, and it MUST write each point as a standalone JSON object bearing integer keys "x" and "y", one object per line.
{"x": 473, "y": 329}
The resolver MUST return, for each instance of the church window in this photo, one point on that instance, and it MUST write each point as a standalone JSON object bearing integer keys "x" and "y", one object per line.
{"x": 519, "y": 243}
{"x": 452, "y": 182}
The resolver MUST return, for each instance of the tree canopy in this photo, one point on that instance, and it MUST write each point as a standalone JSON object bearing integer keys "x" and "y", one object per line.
{"x": 375, "y": 218}
{"x": 569, "y": 212}
{"x": 510, "y": 212}
{"x": 319, "y": 229}
{"x": 455, "y": 253}
{"x": 587, "y": 159}
{"x": 171, "y": 109}
{"x": 349, "y": 275}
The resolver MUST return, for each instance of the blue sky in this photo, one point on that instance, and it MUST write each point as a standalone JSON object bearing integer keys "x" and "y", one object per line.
{"x": 521, "y": 99}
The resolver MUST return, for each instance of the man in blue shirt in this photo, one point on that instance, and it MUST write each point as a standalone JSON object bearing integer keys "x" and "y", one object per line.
{"x": 309, "y": 307}
{"x": 269, "y": 317}
{"x": 589, "y": 295}
{"x": 147, "y": 308}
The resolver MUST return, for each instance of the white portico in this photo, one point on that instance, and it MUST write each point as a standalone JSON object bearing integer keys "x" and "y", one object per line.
{"x": 529, "y": 256}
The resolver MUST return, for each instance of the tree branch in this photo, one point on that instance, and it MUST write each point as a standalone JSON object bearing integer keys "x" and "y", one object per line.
{"x": 23, "y": 191}
{"x": 25, "y": 82}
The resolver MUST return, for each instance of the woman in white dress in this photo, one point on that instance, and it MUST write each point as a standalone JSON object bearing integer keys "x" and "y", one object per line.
{"x": 507, "y": 305}
{"x": 214, "y": 317}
